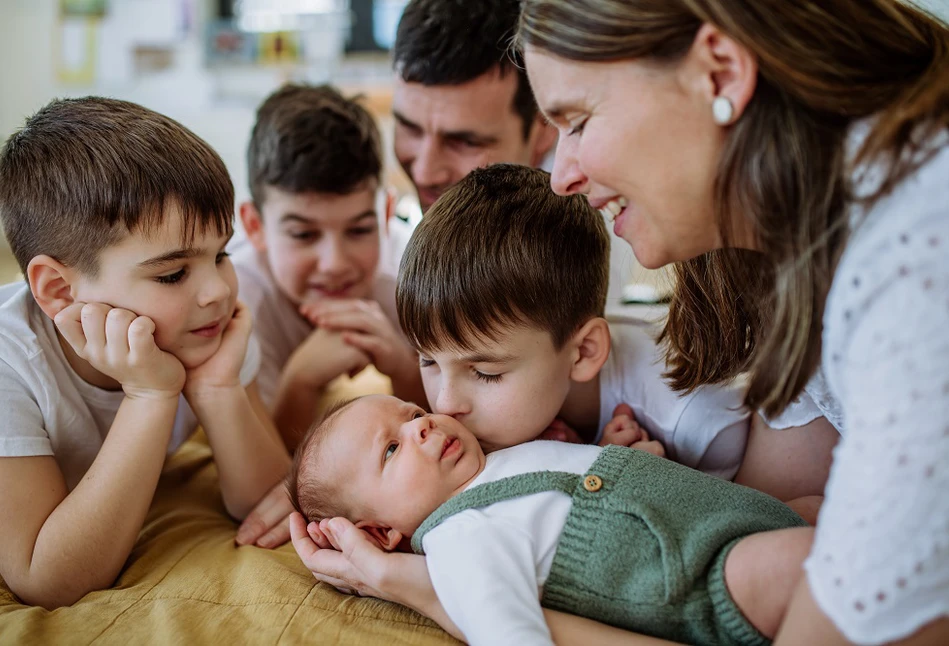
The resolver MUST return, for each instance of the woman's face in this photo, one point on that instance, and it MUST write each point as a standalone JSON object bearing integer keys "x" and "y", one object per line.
{"x": 639, "y": 140}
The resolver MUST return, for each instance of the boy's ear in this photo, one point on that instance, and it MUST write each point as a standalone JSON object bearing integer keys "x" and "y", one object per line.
{"x": 386, "y": 538}
{"x": 592, "y": 347}
{"x": 544, "y": 137}
{"x": 253, "y": 225}
{"x": 51, "y": 284}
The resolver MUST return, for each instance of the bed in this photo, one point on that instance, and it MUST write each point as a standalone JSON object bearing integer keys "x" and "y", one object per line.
{"x": 187, "y": 583}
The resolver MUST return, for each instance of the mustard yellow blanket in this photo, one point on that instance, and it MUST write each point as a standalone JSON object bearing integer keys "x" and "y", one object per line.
{"x": 186, "y": 583}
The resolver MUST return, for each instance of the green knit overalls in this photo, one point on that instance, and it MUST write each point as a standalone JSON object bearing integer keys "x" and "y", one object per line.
{"x": 644, "y": 544}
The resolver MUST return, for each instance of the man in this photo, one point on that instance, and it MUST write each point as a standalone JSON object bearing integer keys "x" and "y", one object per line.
{"x": 461, "y": 101}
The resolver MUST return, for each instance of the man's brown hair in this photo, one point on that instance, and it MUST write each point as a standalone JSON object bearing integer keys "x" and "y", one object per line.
{"x": 84, "y": 173}
{"x": 312, "y": 139}
{"x": 312, "y": 493}
{"x": 498, "y": 249}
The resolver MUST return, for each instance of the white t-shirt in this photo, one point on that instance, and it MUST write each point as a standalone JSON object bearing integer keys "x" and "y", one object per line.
{"x": 49, "y": 409}
{"x": 880, "y": 564}
{"x": 706, "y": 429}
{"x": 278, "y": 325}
{"x": 489, "y": 565}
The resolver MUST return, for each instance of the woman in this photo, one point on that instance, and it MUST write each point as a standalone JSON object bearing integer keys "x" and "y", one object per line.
{"x": 806, "y": 145}
{"x": 774, "y": 148}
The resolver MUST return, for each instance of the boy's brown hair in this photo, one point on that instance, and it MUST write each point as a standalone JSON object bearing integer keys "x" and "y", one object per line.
{"x": 497, "y": 249}
{"x": 83, "y": 173}
{"x": 312, "y": 493}
{"x": 312, "y": 139}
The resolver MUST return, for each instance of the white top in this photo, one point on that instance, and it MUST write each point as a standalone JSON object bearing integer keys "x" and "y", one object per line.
{"x": 706, "y": 429}
{"x": 880, "y": 564}
{"x": 489, "y": 565}
{"x": 48, "y": 409}
{"x": 278, "y": 326}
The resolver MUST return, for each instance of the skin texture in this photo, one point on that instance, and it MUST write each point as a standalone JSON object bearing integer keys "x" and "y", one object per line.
{"x": 443, "y": 132}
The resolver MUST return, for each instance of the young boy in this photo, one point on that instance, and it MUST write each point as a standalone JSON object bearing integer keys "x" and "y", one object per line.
{"x": 309, "y": 274}
{"x": 502, "y": 289}
{"x": 127, "y": 336}
{"x": 614, "y": 534}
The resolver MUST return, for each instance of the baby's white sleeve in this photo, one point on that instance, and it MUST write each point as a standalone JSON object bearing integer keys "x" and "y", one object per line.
{"x": 483, "y": 571}
{"x": 880, "y": 564}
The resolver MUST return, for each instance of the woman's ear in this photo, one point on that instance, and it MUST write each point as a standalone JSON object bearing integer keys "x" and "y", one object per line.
{"x": 592, "y": 344}
{"x": 51, "y": 284}
{"x": 722, "y": 67}
{"x": 386, "y": 538}
{"x": 253, "y": 225}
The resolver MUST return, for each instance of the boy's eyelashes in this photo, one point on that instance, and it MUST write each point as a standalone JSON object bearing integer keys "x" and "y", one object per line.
{"x": 486, "y": 377}
{"x": 178, "y": 276}
{"x": 316, "y": 234}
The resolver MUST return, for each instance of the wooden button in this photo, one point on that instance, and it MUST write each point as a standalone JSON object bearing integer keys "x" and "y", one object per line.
{"x": 592, "y": 483}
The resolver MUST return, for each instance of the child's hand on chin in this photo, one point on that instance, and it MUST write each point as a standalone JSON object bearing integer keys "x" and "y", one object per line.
{"x": 121, "y": 345}
{"x": 223, "y": 369}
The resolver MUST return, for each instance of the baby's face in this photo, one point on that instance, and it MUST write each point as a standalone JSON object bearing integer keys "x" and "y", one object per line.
{"x": 399, "y": 462}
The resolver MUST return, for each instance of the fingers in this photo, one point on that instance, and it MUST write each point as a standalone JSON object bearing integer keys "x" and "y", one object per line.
{"x": 70, "y": 326}
{"x": 368, "y": 343}
{"x": 117, "y": 323}
{"x": 92, "y": 317}
{"x": 277, "y": 536}
{"x": 313, "y": 529}
{"x": 268, "y": 516}
{"x": 302, "y": 543}
{"x": 141, "y": 336}
{"x": 624, "y": 409}
{"x": 651, "y": 446}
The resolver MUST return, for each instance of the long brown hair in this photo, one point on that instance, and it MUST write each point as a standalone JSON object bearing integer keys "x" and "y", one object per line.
{"x": 785, "y": 167}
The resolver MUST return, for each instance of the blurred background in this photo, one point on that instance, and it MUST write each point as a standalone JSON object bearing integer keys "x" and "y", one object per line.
{"x": 206, "y": 63}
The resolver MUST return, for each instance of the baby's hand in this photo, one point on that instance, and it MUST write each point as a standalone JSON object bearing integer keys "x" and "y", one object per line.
{"x": 121, "y": 345}
{"x": 623, "y": 430}
{"x": 559, "y": 431}
{"x": 223, "y": 369}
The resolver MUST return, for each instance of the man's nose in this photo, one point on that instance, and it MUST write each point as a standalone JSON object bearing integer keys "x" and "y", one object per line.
{"x": 429, "y": 168}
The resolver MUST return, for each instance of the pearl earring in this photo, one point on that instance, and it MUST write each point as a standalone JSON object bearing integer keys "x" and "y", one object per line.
{"x": 722, "y": 110}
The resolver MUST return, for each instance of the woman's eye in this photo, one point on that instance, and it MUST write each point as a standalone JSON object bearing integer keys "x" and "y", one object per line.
{"x": 491, "y": 379}
{"x": 389, "y": 452}
{"x": 171, "y": 279}
{"x": 576, "y": 127}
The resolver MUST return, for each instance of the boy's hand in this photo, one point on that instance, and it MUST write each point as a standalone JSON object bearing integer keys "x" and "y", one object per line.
{"x": 267, "y": 525}
{"x": 121, "y": 345}
{"x": 364, "y": 326}
{"x": 559, "y": 431}
{"x": 223, "y": 369}
{"x": 623, "y": 430}
{"x": 324, "y": 355}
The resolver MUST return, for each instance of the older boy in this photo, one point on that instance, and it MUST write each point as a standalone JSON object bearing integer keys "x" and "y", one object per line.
{"x": 613, "y": 534}
{"x": 127, "y": 336}
{"x": 309, "y": 275}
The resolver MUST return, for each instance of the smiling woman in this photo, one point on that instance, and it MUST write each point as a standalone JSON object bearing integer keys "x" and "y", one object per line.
{"x": 791, "y": 159}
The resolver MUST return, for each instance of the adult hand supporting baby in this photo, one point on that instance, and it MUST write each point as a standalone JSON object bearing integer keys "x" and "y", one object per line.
{"x": 338, "y": 553}
{"x": 266, "y": 526}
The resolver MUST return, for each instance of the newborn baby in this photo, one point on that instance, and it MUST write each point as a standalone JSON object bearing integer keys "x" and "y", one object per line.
{"x": 614, "y": 534}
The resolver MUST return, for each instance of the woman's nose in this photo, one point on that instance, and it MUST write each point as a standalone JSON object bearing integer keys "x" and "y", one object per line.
{"x": 566, "y": 178}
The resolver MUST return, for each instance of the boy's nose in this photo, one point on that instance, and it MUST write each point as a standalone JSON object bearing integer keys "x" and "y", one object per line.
{"x": 215, "y": 290}
{"x": 333, "y": 258}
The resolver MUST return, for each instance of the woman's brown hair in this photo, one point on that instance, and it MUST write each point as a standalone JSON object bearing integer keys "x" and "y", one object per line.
{"x": 786, "y": 167}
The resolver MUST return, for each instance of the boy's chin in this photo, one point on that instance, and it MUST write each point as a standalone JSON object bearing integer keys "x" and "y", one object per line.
{"x": 193, "y": 357}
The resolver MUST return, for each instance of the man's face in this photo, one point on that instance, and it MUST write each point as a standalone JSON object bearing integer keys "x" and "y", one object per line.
{"x": 506, "y": 391}
{"x": 189, "y": 291}
{"x": 443, "y": 132}
{"x": 400, "y": 463}
{"x": 320, "y": 245}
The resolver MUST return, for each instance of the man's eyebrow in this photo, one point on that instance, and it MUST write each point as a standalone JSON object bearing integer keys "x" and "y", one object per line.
{"x": 365, "y": 214}
{"x": 171, "y": 256}
{"x": 463, "y": 135}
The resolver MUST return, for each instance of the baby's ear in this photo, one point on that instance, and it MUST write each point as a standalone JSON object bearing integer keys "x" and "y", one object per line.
{"x": 386, "y": 538}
